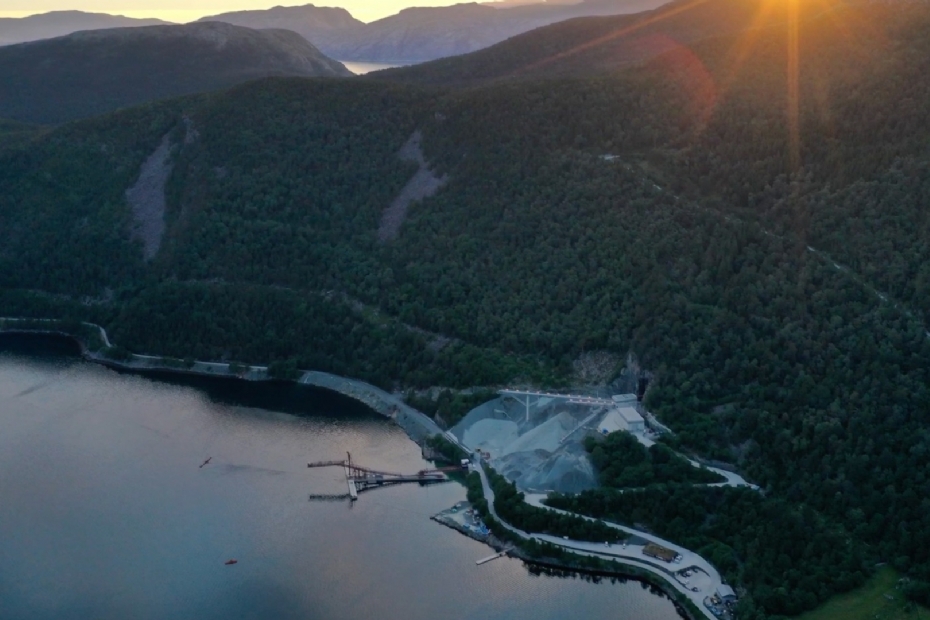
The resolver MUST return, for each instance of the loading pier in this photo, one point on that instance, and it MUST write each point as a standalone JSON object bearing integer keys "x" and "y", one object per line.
{"x": 499, "y": 554}
{"x": 360, "y": 478}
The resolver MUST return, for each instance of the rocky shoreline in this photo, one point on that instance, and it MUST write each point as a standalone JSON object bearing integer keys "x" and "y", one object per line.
{"x": 416, "y": 424}
{"x": 622, "y": 571}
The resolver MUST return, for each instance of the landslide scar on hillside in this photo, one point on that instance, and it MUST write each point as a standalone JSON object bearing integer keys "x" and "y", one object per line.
{"x": 147, "y": 195}
{"x": 424, "y": 184}
{"x": 147, "y": 199}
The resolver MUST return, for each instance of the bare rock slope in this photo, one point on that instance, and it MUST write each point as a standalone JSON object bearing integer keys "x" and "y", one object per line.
{"x": 147, "y": 199}
{"x": 422, "y": 185}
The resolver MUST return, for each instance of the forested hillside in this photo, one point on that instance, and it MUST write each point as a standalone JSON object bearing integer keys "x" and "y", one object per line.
{"x": 13, "y": 133}
{"x": 596, "y": 45}
{"x": 759, "y": 244}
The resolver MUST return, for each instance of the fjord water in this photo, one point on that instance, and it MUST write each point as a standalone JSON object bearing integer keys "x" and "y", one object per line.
{"x": 106, "y": 514}
{"x": 361, "y": 68}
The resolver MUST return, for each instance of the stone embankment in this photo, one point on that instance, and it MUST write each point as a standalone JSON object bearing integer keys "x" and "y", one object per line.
{"x": 417, "y": 425}
{"x": 455, "y": 518}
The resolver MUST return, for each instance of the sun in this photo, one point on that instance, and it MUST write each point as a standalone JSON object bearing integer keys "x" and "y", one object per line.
{"x": 767, "y": 16}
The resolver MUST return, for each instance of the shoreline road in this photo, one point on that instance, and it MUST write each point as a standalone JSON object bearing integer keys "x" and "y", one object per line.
{"x": 632, "y": 554}
{"x": 417, "y": 424}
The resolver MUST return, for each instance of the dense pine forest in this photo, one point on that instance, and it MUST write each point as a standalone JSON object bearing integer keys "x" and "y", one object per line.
{"x": 766, "y": 262}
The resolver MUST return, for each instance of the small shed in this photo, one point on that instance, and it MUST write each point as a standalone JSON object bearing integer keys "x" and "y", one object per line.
{"x": 726, "y": 594}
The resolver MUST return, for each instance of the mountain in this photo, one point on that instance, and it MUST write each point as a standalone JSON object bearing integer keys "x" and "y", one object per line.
{"x": 92, "y": 72}
{"x": 422, "y": 33}
{"x": 60, "y": 23}
{"x": 324, "y": 27}
{"x": 590, "y": 46}
{"x": 13, "y": 134}
{"x": 425, "y": 33}
{"x": 503, "y": 4}
{"x": 740, "y": 221}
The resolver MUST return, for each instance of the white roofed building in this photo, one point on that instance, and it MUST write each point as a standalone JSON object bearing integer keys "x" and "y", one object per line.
{"x": 611, "y": 423}
{"x": 622, "y": 419}
{"x": 634, "y": 422}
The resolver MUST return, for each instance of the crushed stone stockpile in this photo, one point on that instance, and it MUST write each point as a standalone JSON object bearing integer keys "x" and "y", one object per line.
{"x": 531, "y": 452}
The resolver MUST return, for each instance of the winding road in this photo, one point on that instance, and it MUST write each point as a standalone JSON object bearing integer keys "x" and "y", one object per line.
{"x": 632, "y": 554}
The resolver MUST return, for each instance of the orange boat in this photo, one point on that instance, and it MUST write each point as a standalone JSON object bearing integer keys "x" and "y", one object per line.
{"x": 231, "y": 562}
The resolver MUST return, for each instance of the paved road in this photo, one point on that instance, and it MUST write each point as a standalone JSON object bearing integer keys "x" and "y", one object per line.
{"x": 732, "y": 480}
{"x": 632, "y": 554}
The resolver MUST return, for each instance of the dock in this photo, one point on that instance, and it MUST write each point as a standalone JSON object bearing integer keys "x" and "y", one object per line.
{"x": 360, "y": 478}
{"x": 353, "y": 491}
{"x": 327, "y": 497}
{"x": 499, "y": 554}
{"x": 495, "y": 556}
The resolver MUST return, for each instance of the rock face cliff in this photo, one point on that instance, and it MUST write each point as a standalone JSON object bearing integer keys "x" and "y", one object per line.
{"x": 93, "y": 72}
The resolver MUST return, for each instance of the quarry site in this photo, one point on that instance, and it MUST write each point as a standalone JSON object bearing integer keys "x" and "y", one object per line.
{"x": 537, "y": 439}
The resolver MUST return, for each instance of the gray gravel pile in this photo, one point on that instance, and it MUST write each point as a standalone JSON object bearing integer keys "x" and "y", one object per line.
{"x": 531, "y": 453}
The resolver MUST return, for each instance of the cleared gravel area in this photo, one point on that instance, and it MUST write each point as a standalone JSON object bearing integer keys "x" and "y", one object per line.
{"x": 537, "y": 453}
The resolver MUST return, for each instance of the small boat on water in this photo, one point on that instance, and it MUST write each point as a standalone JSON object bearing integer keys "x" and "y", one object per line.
{"x": 231, "y": 562}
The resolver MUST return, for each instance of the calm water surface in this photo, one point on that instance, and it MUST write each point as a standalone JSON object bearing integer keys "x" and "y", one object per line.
{"x": 105, "y": 514}
{"x": 361, "y": 68}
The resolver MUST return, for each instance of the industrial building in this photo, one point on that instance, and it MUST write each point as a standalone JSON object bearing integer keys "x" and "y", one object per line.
{"x": 624, "y": 399}
{"x": 634, "y": 422}
{"x": 622, "y": 419}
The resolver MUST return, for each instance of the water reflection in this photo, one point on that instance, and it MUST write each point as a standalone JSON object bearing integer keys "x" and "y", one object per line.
{"x": 105, "y": 512}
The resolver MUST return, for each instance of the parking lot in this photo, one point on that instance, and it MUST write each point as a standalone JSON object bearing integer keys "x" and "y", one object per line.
{"x": 693, "y": 578}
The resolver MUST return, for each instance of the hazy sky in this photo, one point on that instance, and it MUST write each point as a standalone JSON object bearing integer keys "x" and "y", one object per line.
{"x": 183, "y": 10}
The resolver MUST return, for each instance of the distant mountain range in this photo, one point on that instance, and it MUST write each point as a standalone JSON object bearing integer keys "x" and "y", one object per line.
{"x": 413, "y": 35}
{"x": 92, "y": 72}
{"x": 423, "y": 33}
{"x": 61, "y": 23}
{"x": 584, "y": 47}
{"x": 325, "y": 27}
